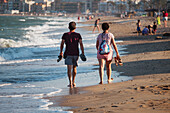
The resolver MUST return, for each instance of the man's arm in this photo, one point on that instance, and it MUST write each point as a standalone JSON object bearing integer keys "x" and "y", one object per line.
{"x": 81, "y": 46}
{"x": 61, "y": 47}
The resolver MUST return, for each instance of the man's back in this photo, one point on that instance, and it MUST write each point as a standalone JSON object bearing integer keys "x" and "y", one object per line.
{"x": 72, "y": 41}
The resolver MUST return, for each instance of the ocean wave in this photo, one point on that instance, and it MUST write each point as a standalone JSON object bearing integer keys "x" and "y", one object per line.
{"x": 6, "y": 43}
{"x": 35, "y": 96}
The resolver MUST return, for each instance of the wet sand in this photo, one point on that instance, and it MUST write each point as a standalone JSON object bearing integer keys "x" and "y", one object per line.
{"x": 147, "y": 60}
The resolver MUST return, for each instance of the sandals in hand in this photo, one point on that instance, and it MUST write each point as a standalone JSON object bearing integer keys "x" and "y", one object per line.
{"x": 118, "y": 61}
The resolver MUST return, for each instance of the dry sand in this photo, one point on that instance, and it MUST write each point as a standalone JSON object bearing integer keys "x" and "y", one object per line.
{"x": 147, "y": 93}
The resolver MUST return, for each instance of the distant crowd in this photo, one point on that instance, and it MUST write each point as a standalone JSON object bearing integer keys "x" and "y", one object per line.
{"x": 151, "y": 29}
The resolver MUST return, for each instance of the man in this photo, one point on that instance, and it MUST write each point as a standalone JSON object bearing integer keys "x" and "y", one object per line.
{"x": 71, "y": 54}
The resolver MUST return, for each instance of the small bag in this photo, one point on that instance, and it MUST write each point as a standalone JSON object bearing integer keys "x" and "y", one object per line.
{"x": 104, "y": 47}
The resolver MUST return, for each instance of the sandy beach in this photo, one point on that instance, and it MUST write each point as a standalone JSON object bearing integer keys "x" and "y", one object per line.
{"x": 147, "y": 60}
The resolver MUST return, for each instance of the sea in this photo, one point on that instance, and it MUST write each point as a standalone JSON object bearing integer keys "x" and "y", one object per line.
{"x": 29, "y": 71}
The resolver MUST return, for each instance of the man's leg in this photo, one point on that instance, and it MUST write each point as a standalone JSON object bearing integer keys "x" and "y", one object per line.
{"x": 101, "y": 69}
{"x": 108, "y": 66}
{"x": 74, "y": 75}
{"x": 69, "y": 75}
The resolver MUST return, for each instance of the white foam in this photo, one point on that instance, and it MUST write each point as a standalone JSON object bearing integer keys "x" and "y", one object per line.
{"x": 53, "y": 93}
{"x": 30, "y": 18}
{"x": 5, "y": 43}
{"x": 35, "y": 96}
{"x": 45, "y": 106}
{"x": 1, "y": 59}
{"x": 22, "y": 20}
{"x": 6, "y": 84}
{"x": 20, "y": 61}
{"x": 90, "y": 45}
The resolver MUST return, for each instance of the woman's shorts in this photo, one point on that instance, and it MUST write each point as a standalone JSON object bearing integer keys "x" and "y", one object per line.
{"x": 165, "y": 18}
{"x": 138, "y": 29}
{"x": 107, "y": 57}
{"x": 71, "y": 60}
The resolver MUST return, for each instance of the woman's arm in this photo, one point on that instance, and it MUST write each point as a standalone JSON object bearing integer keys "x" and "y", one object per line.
{"x": 97, "y": 44}
{"x": 115, "y": 47}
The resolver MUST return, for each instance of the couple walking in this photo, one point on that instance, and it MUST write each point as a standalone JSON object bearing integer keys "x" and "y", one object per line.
{"x": 72, "y": 40}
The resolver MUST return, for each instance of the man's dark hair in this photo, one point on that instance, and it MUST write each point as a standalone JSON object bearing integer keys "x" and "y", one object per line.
{"x": 105, "y": 26}
{"x": 72, "y": 25}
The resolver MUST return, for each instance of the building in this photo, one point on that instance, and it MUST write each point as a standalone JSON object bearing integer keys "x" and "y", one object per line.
{"x": 76, "y": 6}
{"x": 113, "y": 6}
{"x": 6, "y": 6}
{"x": 168, "y": 5}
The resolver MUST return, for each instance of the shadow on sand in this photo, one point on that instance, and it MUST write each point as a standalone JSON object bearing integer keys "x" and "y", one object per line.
{"x": 145, "y": 67}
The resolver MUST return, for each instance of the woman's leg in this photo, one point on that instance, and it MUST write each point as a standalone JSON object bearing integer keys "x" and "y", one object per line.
{"x": 165, "y": 23}
{"x": 101, "y": 69}
{"x": 94, "y": 29}
{"x": 108, "y": 66}
{"x": 98, "y": 28}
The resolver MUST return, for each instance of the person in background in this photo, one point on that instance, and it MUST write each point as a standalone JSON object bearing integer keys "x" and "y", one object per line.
{"x": 150, "y": 29}
{"x": 106, "y": 58}
{"x": 78, "y": 18}
{"x": 154, "y": 28}
{"x": 145, "y": 31}
{"x": 138, "y": 24}
{"x": 158, "y": 20}
{"x": 96, "y": 24}
{"x": 71, "y": 40}
{"x": 165, "y": 18}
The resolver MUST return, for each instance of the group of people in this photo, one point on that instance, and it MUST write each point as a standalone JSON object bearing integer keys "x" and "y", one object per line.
{"x": 165, "y": 18}
{"x": 147, "y": 30}
{"x": 152, "y": 28}
{"x": 72, "y": 40}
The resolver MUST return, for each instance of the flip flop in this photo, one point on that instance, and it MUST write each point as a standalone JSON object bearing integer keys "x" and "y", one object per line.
{"x": 120, "y": 62}
{"x": 59, "y": 58}
{"x": 116, "y": 61}
{"x": 83, "y": 57}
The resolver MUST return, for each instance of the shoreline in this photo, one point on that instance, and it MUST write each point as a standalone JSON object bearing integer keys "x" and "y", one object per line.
{"x": 147, "y": 61}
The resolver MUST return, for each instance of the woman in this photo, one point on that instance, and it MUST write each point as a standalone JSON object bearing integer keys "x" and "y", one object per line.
{"x": 138, "y": 24}
{"x": 165, "y": 18}
{"x": 102, "y": 58}
{"x": 96, "y": 24}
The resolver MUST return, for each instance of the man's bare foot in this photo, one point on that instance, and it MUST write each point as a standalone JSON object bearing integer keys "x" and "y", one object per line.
{"x": 71, "y": 86}
{"x": 101, "y": 83}
{"x": 109, "y": 81}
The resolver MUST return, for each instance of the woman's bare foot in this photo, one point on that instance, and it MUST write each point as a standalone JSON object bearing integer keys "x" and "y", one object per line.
{"x": 109, "y": 81}
{"x": 74, "y": 84}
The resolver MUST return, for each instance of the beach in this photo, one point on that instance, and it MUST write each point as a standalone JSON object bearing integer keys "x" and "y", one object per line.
{"x": 145, "y": 58}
